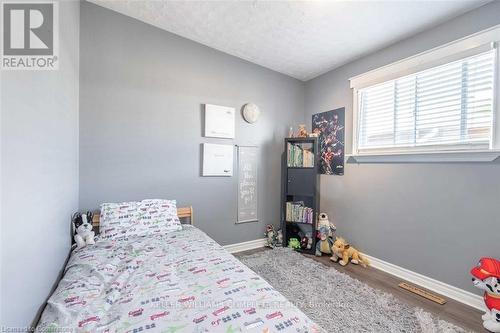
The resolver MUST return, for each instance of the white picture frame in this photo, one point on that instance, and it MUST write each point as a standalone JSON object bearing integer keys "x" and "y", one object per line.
{"x": 219, "y": 121}
{"x": 217, "y": 160}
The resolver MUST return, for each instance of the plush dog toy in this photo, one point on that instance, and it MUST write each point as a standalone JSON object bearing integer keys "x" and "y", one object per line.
{"x": 343, "y": 251}
{"x": 83, "y": 229}
{"x": 486, "y": 276}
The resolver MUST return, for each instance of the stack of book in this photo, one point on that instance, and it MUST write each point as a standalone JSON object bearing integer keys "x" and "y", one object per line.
{"x": 297, "y": 212}
{"x": 298, "y": 156}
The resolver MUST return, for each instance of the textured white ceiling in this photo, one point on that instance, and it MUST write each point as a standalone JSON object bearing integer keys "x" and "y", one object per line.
{"x": 300, "y": 39}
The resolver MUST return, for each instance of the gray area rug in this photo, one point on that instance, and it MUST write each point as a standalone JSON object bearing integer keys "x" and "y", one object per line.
{"x": 336, "y": 301}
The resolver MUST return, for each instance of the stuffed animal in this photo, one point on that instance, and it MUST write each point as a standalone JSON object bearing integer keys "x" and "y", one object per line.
{"x": 343, "y": 251}
{"x": 294, "y": 243}
{"x": 302, "y": 131}
{"x": 325, "y": 242}
{"x": 486, "y": 276}
{"x": 324, "y": 221}
{"x": 303, "y": 242}
{"x": 279, "y": 238}
{"x": 309, "y": 243}
{"x": 83, "y": 229}
{"x": 270, "y": 236}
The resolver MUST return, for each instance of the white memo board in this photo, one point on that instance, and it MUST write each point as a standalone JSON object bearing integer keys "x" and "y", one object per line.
{"x": 217, "y": 160}
{"x": 219, "y": 121}
{"x": 247, "y": 183}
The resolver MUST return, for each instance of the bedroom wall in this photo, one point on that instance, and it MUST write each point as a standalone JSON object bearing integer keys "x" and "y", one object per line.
{"x": 141, "y": 96}
{"x": 434, "y": 219}
{"x": 39, "y": 174}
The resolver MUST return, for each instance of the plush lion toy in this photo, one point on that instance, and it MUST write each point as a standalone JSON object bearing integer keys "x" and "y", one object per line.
{"x": 342, "y": 250}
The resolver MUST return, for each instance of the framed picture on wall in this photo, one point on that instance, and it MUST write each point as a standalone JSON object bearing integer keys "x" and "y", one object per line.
{"x": 217, "y": 160}
{"x": 330, "y": 127}
{"x": 219, "y": 121}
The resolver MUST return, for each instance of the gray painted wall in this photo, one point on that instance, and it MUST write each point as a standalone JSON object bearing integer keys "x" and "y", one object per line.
{"x": 39, "y": 174}
{"x": 141, "y": 96}
{"x": 435, "y": 219}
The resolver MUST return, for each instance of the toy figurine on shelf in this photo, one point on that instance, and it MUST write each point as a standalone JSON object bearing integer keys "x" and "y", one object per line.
{"x": 294, "y": 243}
{"x": 303, "y": 242}
{"x": 486, "y": 276}
{"x": 270, "y": 236}
{"x": 309, "y": 242}
{"x": 306, "y": 241}
{"x": 302, "y": 131}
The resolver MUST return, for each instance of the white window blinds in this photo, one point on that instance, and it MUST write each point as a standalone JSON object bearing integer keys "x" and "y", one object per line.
{"x": 448, "y": 105}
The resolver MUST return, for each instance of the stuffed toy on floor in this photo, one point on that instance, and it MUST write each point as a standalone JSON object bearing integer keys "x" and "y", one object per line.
{"x": 270, "y": 236}
{"x": 344, "y": 251}
{"x": 325, "y": 242}
{"x": 279, "y": 238}
{"x": 486, "y": 276}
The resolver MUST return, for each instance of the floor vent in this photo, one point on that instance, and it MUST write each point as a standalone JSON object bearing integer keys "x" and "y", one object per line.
{"x": 422, "y": 292}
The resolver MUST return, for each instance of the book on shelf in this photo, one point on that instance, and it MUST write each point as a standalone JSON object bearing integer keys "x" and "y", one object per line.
{"x": 298, "y": 156}
{"x": 298, "y": 212}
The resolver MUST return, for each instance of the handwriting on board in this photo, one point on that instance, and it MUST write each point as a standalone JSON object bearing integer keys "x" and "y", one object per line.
{"x": 247, "y": 183}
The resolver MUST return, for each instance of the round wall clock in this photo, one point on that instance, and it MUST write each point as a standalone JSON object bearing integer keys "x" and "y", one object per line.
{"x": 251, "y": 112}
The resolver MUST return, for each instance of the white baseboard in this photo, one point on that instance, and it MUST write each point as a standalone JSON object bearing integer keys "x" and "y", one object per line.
{"x": 439, "y": 287}
{"x": 245, "y": 246}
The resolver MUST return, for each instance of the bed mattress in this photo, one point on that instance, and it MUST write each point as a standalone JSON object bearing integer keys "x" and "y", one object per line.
{"x": 182, "y": 281}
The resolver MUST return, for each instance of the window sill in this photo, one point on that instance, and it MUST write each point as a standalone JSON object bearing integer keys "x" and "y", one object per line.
{"x": 427, "y": 157}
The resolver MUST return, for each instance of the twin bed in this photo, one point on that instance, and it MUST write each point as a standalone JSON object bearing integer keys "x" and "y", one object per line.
{"x": 178, "y": 281}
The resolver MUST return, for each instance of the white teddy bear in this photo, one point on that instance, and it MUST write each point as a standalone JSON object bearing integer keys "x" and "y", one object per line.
{"x": 83, "y": 229}
{"x": 323, "y": 221}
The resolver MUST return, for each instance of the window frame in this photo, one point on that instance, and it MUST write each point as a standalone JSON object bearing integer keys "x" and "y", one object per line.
{"x": 463, "y": 48}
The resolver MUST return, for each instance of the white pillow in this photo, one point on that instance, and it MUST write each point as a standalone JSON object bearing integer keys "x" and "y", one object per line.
{"x": 138, "y": 218}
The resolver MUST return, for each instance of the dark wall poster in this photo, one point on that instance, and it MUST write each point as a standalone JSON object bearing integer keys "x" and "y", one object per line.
{"x": 330, "y": 127}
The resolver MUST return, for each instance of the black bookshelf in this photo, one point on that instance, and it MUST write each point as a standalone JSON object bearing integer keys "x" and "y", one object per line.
{"x": 300, "y": 185}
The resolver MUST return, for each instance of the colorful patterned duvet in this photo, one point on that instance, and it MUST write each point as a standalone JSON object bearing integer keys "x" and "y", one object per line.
{"x": 182, "y": 281}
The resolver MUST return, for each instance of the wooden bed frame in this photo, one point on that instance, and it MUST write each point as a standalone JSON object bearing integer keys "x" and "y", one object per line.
{"x": 182, "y": 212}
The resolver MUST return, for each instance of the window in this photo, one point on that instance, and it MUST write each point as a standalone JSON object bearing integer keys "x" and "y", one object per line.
{"x": 448, "y": 107}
